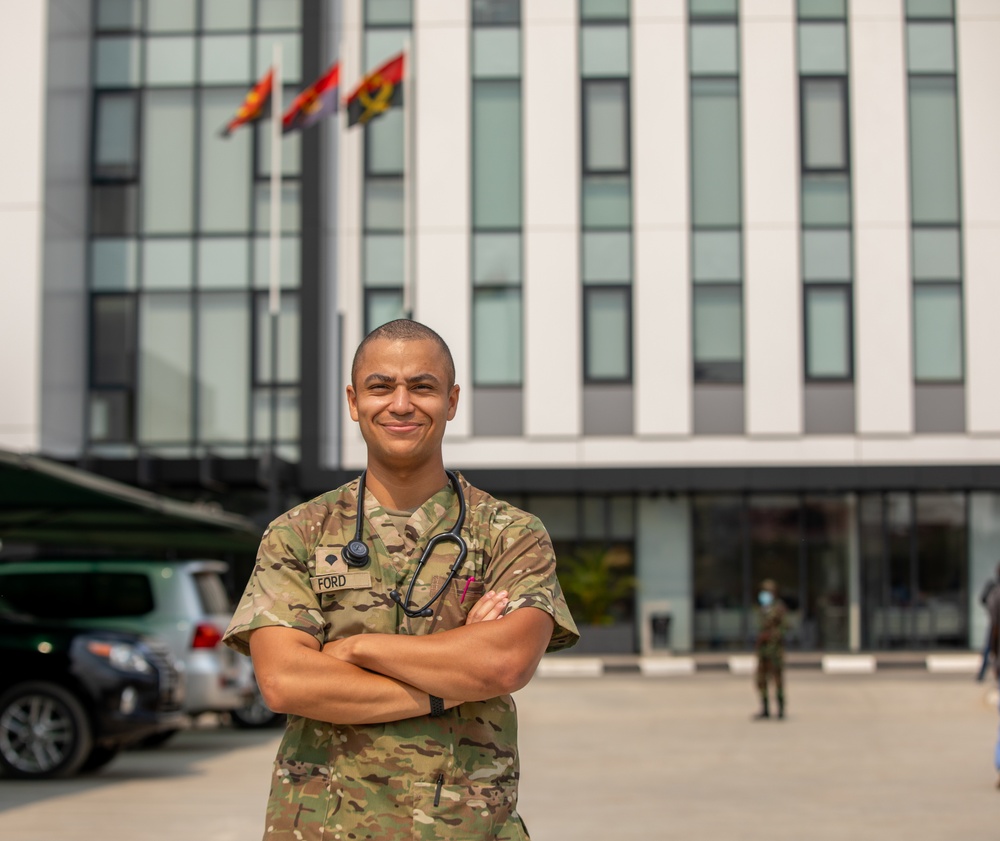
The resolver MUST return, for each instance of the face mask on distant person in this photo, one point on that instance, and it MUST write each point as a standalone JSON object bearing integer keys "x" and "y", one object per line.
{"x": 765, "y": 598}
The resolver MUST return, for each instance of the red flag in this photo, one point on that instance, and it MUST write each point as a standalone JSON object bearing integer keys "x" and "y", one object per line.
{"x": 253, "y": 106}
{"x": 315, "y": 102}
{"x": 379, "y": 91}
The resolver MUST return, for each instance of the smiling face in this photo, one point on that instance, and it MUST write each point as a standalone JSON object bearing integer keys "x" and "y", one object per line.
{"x": 402, "y": 398}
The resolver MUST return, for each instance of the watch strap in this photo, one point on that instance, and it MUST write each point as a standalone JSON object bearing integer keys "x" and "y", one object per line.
{"x": 437, "y": 705}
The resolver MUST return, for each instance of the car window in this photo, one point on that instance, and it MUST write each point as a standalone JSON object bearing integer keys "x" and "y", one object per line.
{"x": 78, "y": 595}
{"x": 211, "y": 592}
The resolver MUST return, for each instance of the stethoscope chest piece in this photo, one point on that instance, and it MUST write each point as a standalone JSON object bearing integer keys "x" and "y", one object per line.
{"x": 356, "y": 554}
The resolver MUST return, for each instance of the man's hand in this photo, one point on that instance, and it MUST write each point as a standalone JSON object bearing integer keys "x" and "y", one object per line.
{"x": 489, "y": 607}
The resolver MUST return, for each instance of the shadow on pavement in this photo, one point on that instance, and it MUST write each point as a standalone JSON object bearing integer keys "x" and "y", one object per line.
{"x": 177, "y": 758}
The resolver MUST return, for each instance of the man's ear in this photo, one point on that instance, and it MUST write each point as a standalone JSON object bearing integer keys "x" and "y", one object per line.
{"x": 352, "y": 402}
{"x": 452, "y": 402}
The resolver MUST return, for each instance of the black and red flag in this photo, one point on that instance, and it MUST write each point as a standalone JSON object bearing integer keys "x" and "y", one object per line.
{"x": 317, "y": 101}
{"x": 253, "y": 107}
{"x": 379, "y": 91}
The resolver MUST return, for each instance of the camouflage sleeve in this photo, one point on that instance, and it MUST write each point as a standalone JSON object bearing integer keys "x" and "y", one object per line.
{"x": 524, "y": 564}
{"x": 278, "y": 592}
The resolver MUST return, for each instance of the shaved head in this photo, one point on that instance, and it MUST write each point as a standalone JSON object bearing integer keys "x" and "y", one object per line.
{"x": 405, "y": 330}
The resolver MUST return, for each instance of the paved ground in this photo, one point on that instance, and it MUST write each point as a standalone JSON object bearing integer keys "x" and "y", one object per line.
{"x": 902, "y": 755}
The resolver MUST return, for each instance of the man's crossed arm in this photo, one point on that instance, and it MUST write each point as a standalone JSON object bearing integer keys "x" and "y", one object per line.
{"x": 373, "y": 678}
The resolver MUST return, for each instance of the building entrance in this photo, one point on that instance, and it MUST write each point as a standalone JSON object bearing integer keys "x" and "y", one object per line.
{"x": 914, "y": 548}
{"x": 799, "y": 541}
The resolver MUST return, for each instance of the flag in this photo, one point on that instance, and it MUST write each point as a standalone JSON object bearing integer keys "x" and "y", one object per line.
{"x": 253, "y": 106}
{"x": 315, "y": 102}
{"x": 379, "y": 91}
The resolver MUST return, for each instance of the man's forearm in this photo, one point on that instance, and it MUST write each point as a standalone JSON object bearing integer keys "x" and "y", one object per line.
{"x": 471, "y": 663}
{"x": 295, "y": 677}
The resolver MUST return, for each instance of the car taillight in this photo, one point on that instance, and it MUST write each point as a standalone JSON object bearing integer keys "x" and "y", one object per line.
{"x": 206, "y": 636}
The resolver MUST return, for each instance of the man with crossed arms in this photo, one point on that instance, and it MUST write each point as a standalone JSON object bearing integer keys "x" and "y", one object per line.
{"x": 399, "y": 726}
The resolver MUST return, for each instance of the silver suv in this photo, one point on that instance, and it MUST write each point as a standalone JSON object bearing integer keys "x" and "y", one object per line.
{"x": 184, "y": 603}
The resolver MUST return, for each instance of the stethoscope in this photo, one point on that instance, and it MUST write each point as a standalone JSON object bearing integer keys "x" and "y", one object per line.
{"x": 357, "y": 555}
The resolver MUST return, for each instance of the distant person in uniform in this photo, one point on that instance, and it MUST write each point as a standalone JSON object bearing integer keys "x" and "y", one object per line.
{"x": 770, "y": 649}
{"x": 993, "y": 608}
{"x": 392, "y": 618}
{"x": 984, "y": 595}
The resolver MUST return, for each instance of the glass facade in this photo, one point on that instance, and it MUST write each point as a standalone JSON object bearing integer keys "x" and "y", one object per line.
{"x": 180, "y": 359}
{"x": 914, "y": 550}
{"x": 594, "y": 539}
{"x": 799, "y": 541}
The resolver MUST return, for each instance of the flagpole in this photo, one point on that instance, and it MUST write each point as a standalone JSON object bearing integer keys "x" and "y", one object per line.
{"x": 409, "y": 99}
{"x": 274, "y": 269}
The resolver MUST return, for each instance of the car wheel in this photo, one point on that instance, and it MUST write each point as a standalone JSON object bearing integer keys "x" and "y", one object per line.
{"x": 44, "y": 731}
{"x": 99, "y": 757}
{"x": 255, "y": 714}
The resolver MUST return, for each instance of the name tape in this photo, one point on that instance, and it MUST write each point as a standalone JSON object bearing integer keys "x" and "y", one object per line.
{"x": 351, "y": 580}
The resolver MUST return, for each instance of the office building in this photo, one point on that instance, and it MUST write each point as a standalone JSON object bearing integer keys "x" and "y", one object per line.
{"x": 720, "y": 279}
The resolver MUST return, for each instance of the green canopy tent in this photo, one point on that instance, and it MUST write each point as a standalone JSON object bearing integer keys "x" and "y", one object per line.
{"x": 45, "y": 502}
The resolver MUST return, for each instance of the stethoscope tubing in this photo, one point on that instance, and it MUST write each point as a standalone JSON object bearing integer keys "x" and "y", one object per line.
{"x": 357, "y": 554}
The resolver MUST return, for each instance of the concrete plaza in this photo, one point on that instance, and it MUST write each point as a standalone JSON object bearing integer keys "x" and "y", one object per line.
{"x": 895, "y": 755}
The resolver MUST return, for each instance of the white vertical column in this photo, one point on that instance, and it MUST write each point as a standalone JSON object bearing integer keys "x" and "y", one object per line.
{"x": 772, "y": 288}
{"x": 22, "y": 169}
{"x": 879, "y": 151}
{"x": 351, "y": 221}
{"x": 442, "y": 294}
{"x": 979, "y": 119}
{"x": 552, "y": 317}
{"x": 660, "y": 185}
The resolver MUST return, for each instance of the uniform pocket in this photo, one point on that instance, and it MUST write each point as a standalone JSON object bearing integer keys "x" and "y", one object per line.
{"x": 299, "y": 804}
{"x": 464, "y": 812}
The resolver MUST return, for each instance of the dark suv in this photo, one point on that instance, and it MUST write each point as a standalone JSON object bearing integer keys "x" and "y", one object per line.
{"x": 71, "y": 698}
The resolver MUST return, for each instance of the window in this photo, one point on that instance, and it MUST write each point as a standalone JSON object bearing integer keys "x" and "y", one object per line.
{"x": 606, "y": 191}
{"x": 828, "y": 331}
{"x": 827, "y": 239}
{"x": 115, "y": 156}
{"x": 935, "y": 195}
{"x": 177, "y": 217}
{"x": 716, "y": 194}
{"x": 824, "y": 125}
{"x": 497, "y": 175}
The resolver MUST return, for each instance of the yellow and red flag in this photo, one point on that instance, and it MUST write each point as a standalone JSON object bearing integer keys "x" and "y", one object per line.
{"x": 379, "y": 91}
{"x": 314, "y": 103}
{"x": 253, "y": 106}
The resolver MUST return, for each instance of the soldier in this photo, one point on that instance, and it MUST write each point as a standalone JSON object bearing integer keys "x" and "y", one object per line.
{"x": 392, "y": 649}
{"x": 993, "y": 608}
{"x": 770, "y": 648}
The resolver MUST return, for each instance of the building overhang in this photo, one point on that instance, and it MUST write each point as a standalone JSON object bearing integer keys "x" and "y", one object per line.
{"x": 52, "y": 504}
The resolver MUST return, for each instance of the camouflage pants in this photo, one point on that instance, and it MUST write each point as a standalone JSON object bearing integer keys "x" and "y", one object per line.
{"x": 770, "y": 669}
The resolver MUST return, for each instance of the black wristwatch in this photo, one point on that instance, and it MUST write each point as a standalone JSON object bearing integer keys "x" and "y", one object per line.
{"x": 437, "y": 705}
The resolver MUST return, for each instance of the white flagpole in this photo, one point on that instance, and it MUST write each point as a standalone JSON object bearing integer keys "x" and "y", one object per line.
{"x": 274, "y": 269}
{"x": 409, "y": 100}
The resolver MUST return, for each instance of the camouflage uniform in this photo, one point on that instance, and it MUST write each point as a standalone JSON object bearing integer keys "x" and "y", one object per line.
{"x": 770, "y": 650}
{"x": 993, "y": 608}
{"x": 453, "y": 776}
